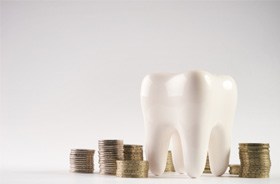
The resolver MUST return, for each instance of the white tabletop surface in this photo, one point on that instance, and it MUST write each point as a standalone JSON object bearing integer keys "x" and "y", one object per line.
{"x": 30, "y": 177}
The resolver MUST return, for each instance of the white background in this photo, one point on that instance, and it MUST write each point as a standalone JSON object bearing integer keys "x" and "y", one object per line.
{"x": 71, "y": 72}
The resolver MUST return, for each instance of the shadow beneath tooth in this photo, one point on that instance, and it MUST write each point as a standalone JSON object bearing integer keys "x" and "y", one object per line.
{"x": 169, "y": 175}
{"x": 185, "y": 176}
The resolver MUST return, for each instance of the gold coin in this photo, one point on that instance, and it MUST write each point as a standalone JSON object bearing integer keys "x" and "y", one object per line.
{"x": 169, "y": 163}
{"x": 255, "y": 160}
{"x": 207, "y": 169}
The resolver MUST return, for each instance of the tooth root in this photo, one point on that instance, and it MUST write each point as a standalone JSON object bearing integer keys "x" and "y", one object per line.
{"x": 195, "y": 140}
{"x": 219, "y": 150}
{"x": 157, "y": 143}
{"x": 177, "y": 153}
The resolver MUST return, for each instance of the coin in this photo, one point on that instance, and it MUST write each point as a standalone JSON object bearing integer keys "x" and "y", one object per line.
{"x": 81, "y": 160}
{"x": 255, "y": 160}
{"x": 207, "y": 169}
{"x": 109, "y": 152}
{"x": 133, "y": 152}
{"x": 234, "y": 169}
{"x": 169, "y": 163}
{"x": 132, "y": 168}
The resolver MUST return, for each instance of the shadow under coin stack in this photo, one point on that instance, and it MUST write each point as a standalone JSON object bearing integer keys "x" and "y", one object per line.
{"x": 133, "y": 165}
{"x": 109, "y": 152}
{"x": 81, "y": 160}
{"x": 207, "y": 166}
{"x": 169, "y": 163}
{"x": 255, "y": 160}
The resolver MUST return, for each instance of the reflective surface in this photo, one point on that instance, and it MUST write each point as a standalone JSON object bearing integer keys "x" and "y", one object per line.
{"x": 58, "y": 177}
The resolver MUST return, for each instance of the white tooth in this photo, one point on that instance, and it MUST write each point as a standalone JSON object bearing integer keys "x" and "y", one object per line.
{"x": 177, "y": 153}
{"x": 196, "y": 109}
{"x": 157, "y": 147}
{"x": 219, "y": 150}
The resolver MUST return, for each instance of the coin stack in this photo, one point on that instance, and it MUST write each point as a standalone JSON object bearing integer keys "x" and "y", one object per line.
{"x": 109, "y": 152}
{"x": 133, "y": 152}
{"x": 234, "y": 169}
{"x": 255, "y": 160}
{"x": 81, "y": 160}
{"x": 169, "y": 163}
{"x": 207, "y": 166}
{"x": 132, "y": 168}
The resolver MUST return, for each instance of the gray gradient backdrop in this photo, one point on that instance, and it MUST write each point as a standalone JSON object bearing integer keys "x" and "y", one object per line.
{"x": 71, "y": 71}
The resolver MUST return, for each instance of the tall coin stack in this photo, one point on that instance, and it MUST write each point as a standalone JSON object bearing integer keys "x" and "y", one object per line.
{"x": 132, "y": 168}
{"x": 169, "y": 163}
{"x": 109, "y": 152}
{"x": 81, "y": 160}
{"x": 255, "y": 160}
{"x": 133, "y": 152}
{"x": 207, "y": 166}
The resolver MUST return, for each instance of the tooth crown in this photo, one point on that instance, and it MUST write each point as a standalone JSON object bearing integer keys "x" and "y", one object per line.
{"x": 193, "y": 110}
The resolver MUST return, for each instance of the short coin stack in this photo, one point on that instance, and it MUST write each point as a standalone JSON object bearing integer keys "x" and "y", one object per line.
{"x": 207, "y": 166}
{"x": 109, "y": 152}
{"x": 234, "y": 169}
{"x": 255, "y": 160}
{"x": 132, "y": 168}
{"x": 81, "y": 160}
{"x": 169, "y": 163}
{"x": 133, "y": 152}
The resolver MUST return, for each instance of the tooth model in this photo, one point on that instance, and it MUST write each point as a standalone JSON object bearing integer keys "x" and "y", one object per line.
{"x": 193, "y": 110}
